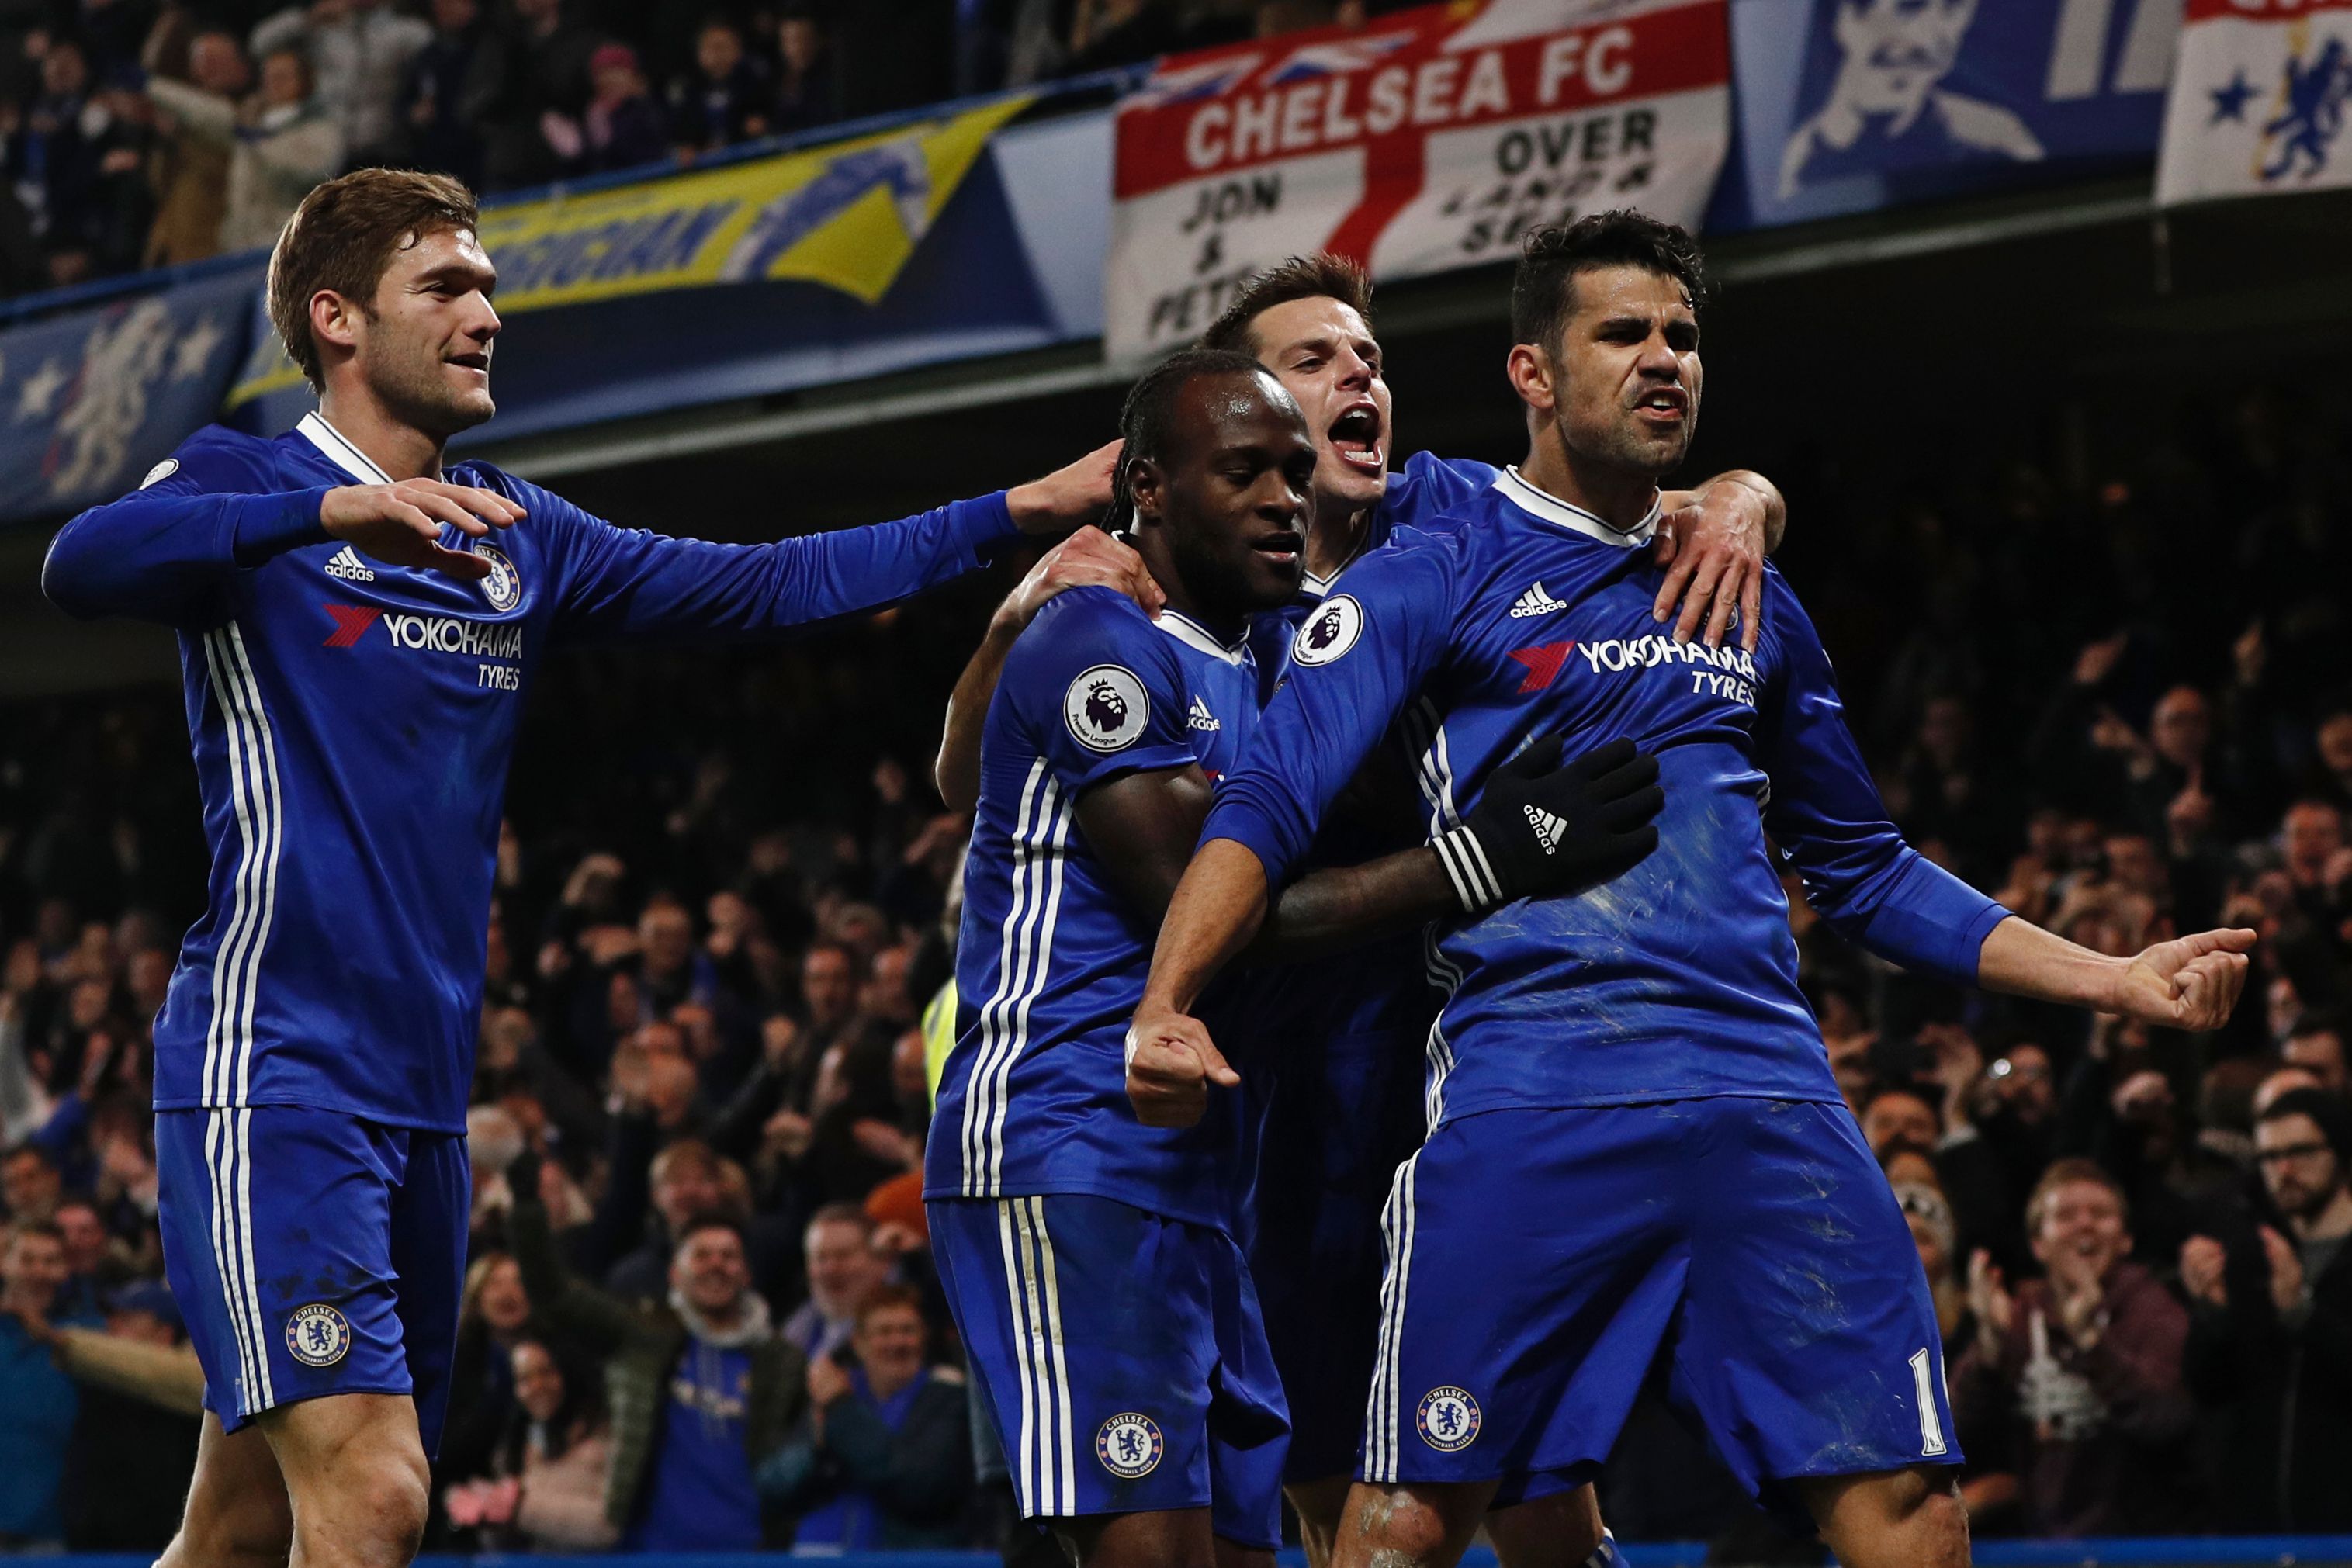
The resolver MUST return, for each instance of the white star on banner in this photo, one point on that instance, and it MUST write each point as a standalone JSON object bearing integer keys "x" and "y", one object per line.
{"x": 37, "y": 398}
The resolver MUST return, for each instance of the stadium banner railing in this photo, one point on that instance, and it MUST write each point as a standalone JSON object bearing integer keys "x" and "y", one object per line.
{"x": 2150, "y": 1551}
{"x": 983, "y": 227}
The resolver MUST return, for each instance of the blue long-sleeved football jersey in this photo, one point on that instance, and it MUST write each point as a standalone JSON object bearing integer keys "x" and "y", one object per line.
{"x": 352, "y": 723}
{"x": 1528, "y": 616}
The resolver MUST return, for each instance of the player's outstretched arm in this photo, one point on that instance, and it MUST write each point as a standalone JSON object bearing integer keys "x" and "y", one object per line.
{"x": 1712, "y": 541}
{"x": 624, "y": 582}
{"x": 1088, "y": 558}
{"x": 2190, "y": 983}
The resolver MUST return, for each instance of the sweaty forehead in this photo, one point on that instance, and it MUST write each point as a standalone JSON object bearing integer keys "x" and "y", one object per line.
{"x": 1601, "y": 293}
{"x": 444, "y": 249}
{"x": 1235, "y": 410}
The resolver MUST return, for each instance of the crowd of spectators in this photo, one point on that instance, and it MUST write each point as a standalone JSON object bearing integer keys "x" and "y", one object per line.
{"x": 700, "y": 1311}
{"x": 138, "y": 134}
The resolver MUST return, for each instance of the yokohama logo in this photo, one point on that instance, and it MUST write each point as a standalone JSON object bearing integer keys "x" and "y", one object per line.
{"x": 432, "y": 633}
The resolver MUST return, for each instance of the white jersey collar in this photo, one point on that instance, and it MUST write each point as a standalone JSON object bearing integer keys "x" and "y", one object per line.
{"x": 1191, "y": 634}
{"x": 315, "y": 429}
{"x": 1553, "y": 509}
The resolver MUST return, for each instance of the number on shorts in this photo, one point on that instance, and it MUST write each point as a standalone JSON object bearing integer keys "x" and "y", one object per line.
{"x": 1931, "y": 1424}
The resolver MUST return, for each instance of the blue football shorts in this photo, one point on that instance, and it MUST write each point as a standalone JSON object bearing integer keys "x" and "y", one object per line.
{"x": 312, "y": 1253}
{"x": 1540, "y": 1261}
{"x": 1121, "y": 1355}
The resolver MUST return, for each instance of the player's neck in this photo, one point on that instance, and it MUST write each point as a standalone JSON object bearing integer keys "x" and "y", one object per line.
{"x": 401, "y": 449}
{"x": 1620, "y": 497}
{"x": 1226, "y": 626}
{"x": 1337, "y": 536}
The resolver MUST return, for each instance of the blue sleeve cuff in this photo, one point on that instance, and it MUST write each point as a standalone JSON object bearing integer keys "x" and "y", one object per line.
{"x": 1932, "y": 923}
{"x": 266, "y": 527}
{"x": 984, "y": 524}
{"x": 1239, "y": 822}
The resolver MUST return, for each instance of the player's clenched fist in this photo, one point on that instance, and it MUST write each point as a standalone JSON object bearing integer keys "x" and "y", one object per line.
{"x": 2190, "y": 983}
{"x": 1170, "y": 1063}
{"x": 401, "y": 524}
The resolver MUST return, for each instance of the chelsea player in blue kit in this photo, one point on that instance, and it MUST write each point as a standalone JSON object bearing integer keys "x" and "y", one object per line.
{"x": 1638, "y": 1153}
{"x": 1091, "y": 1261}
{"x": 357, "y": 625}
{"x": 1337, "y": 1094}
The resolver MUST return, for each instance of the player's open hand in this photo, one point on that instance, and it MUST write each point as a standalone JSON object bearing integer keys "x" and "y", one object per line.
{"x": 401, "y": 524}
{"x": 1711, "y": 543}
{"x": 1067, "y": 497}
{"x": 1087, "y": 558}
{"x": 1170, "y": 1063}
{"x": 2190, "y": 983}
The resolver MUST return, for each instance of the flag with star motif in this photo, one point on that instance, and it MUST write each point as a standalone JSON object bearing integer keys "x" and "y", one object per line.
{"x": 89, "y": 401}
{"x": 2260, "y": 90}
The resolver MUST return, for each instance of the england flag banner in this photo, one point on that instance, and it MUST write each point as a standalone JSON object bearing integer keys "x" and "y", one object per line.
{"x": 1432, "y": 140}
{"x": 2258, "y": 101}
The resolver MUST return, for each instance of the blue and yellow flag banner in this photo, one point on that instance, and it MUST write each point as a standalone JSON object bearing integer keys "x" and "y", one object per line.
{"x": 845, "y": 217}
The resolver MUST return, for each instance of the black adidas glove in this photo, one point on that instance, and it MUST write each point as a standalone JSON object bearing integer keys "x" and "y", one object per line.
{"x": 1542, "y": 829}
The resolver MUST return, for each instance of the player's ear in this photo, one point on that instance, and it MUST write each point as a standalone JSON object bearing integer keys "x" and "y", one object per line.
{"x": 334, "y": 319}
{"x": 1147, "y": 487}
{"x": 1529, "y": 368}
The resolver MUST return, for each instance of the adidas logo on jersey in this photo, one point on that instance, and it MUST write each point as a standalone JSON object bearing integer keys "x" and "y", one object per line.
{"x": 348, "y": 566}
{"x": 1536, "y": 601}
{"x": 1549, "y": 828}
{"x": 1200, "y": 718}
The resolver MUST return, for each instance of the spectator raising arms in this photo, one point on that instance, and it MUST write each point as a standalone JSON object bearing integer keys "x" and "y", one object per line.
{"x": 281, "y": 141}
{"x": 883, "y": 1463}
{"x": 702, "y": 1390}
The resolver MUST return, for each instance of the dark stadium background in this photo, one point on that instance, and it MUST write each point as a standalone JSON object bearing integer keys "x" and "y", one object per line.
{"x": 2006, "y": 427}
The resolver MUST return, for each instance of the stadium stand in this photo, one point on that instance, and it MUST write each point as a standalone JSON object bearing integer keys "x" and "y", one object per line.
{"x": 2091, "y": 651}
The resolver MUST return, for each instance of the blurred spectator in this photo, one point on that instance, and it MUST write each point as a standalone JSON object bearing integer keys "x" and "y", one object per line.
{"x": 191, "y": 172}
{"x": 702, "y": 1390}
{"x": 282, "y": 140}
{"x": 884, "y": 1462}
{"x": 844, "y": 1270}
{"x": 2073, "y": 1386}
{"x": 808, "y": 93}
{"x": 432, "y": 103}
{"x": 31, "y": 1184}
{"x": 2316, "y": 1045}
{"x": 622, "y": 126}
{"x": 2271, "y": 1346}
{"x": 37, "y": 1401}
{"x": 358, "y": 51}
{"x": 493, "y": 1317}
{"x": 138, "y": 1385}
{"x": 545, "y": 1487}
{"x": 535, "y": 65}
{"x": 723, "y": 98}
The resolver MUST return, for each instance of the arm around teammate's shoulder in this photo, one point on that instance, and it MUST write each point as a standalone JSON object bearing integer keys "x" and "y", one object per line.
{"x": 633, "y": 582}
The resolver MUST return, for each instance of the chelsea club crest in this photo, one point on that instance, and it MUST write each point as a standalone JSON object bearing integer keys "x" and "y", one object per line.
{"x": 1130, "y": 1445}
{"x": 318, "y": 1335}
{"x": 1449, "y": 1419}
{"x": 503, "y": 587}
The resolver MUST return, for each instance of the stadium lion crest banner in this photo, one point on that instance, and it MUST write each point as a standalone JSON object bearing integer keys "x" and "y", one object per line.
{"x": 1430, "y": 141}
{"x": 2258, "y": 101}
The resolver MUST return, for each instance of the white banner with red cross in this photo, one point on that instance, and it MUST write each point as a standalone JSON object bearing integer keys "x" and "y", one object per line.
{"x": 1431, "y": 139}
